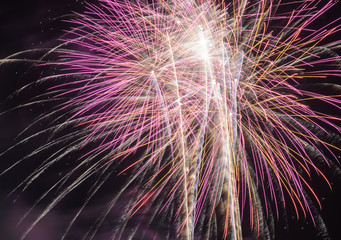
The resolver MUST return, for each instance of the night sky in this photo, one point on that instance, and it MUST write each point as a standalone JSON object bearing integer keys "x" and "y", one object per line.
{"x": 38, "y": 24}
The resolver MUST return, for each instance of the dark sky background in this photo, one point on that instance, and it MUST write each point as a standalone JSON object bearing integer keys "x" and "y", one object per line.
{"x": 37, "y": 24}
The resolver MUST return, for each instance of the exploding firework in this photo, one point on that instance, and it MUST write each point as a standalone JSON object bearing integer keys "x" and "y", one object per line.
{"x": 202, "y": 111}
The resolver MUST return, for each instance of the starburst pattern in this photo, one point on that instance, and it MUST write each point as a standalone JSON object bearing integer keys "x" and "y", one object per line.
{"x": 202, "y": 104}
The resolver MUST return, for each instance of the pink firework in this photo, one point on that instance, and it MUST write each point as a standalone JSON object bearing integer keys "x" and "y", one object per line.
{"x": 205, "y": 106}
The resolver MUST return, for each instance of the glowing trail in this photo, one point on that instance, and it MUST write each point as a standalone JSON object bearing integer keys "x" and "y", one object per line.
{"x": 202, "y": 107}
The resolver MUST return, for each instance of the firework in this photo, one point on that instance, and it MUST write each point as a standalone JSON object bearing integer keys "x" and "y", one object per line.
{"x": 203, "y": 105}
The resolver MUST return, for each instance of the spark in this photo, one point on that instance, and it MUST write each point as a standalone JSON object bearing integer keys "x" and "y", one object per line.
{"x": 211, "y": 94}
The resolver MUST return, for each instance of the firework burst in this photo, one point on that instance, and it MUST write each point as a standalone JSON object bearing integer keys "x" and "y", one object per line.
{"x": 203, "y": 105}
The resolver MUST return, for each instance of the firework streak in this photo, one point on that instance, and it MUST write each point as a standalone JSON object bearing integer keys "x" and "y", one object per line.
{"x": 201, "y": 104}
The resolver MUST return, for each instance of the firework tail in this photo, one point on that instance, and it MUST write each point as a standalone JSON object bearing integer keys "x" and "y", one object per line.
{"x": 206, "y": 94}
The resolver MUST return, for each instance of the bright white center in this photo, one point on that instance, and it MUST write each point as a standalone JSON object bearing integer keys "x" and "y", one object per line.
{"x": 203, "y": 45}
